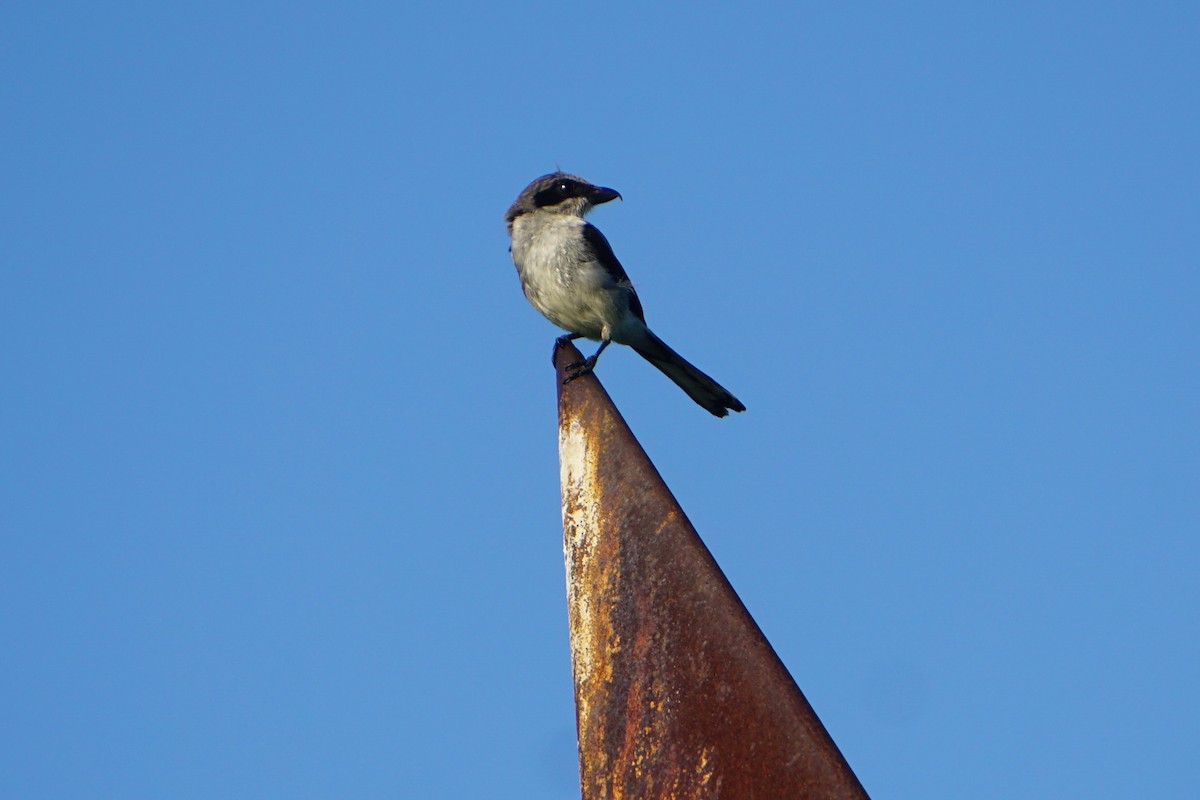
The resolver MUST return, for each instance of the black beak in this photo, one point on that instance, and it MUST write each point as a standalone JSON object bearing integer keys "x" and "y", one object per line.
{"x": 601, "y": 194}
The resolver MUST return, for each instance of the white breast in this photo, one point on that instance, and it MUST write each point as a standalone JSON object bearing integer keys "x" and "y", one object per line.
{"x": 559, "y": 277}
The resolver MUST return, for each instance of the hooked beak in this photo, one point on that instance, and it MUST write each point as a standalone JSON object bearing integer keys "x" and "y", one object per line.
{"x": 601, "y": 194}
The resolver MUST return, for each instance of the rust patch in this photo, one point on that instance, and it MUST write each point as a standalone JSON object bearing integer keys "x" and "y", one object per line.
{"x": 677, "y": 692}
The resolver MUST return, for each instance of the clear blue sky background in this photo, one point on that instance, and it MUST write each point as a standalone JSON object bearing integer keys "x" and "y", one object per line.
{"x": 278, "y": 470}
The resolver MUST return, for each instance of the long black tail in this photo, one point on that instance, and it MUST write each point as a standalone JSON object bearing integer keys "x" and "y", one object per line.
{"x": 711, "y": 395}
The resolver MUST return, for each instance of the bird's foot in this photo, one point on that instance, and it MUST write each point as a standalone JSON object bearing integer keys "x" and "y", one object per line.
{"x": 578, "y": 369}
{"x": 562, "y": 342}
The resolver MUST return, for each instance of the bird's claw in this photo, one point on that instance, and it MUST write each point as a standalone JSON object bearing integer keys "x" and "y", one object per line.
{"x": 560, "y": 343}
{"x": 579, "y": 369}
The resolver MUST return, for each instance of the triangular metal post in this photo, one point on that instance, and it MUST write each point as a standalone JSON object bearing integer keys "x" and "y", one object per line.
{"x": 677, "y": 692}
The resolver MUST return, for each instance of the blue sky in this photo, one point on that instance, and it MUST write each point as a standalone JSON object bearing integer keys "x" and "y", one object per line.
{"x": 278, "y": 478}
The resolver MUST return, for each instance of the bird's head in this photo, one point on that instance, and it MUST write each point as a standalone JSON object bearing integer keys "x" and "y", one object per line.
{"x": 560, "y": 193}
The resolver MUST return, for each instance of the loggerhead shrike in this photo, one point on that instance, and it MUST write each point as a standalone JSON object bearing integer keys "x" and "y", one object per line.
{"x": 569, "y": 273}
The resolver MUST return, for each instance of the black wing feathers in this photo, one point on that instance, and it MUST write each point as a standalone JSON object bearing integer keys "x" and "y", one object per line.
{"x": 606, "y": 258}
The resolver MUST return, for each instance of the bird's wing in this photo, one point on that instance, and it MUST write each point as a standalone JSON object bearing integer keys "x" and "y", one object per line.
{"x": 607, "y": 259}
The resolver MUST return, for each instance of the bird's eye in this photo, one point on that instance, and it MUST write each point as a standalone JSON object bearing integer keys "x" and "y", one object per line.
{"x": 564, "y": 187}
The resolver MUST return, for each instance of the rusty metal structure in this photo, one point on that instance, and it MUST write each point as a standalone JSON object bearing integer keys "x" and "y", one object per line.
{"x": 677, "y": 692}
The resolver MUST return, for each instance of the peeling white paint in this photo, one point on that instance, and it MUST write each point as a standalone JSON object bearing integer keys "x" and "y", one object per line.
{"x": 572, "y": 455}
{"x": 581, "y": 516}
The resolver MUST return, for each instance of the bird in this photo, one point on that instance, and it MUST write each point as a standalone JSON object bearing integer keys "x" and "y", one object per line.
{"x": 570, "y": 274}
